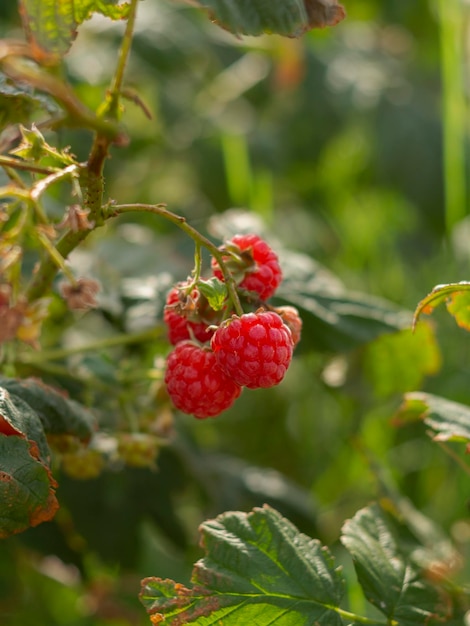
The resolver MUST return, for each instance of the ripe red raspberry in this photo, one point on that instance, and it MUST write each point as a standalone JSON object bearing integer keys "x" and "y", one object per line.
{"x": 258, "y": 263}
{"x": 195, "y": 382}
{"x": 254, "y": 350}
{"x": 178, "y": 324}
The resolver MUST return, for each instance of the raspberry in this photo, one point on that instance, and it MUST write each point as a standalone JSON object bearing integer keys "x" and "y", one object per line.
{"x": 293, "y": 321}
{"x": 138, "y": 449}
{"x": 254, "y": 350}
{"x": 195, "y": 382}
{"x": 82, "y": 464}
{"x": 258, "y": 263}
{"x": 175, "y": 317}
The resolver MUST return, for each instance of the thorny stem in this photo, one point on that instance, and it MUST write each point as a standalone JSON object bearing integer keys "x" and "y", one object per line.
{"x": 101, "y": 143}
{"x": 178, "y": 220}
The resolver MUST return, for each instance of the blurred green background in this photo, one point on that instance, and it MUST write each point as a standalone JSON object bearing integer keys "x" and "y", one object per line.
{"x": 333, "y": 146}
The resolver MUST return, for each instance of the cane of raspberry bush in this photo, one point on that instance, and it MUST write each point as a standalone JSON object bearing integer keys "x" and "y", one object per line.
{"x": 256, "y": 260}
{"x": 254, "y": 350}
{"x": 196, "y": 384}
{"x": 178, "y": 325}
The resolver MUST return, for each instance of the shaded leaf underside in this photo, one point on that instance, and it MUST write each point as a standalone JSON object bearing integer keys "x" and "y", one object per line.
{"x": 290, "y": 18}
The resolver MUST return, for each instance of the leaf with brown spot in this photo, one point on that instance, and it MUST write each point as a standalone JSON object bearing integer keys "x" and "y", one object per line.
{"x": 290, "y": 18}
{"x": 322, "y": 13}
{"x": 27, "y": 487}
{"x": 456, "y": 296}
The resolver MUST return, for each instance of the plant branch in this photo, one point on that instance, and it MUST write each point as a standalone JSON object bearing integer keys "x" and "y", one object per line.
{"x": 108, "y": 342}
{"x": 112, "y": 108}
{"x": 22, "y": 165}
{"x": 178, "y": 220}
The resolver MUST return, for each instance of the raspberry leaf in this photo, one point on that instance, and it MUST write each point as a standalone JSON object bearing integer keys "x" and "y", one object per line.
{"x": 257, "y": 569}
{"x": 398, "y": 362}
{"x": 450, "y": 421}
{"x": 27, "y": 488}
{"x": 390, "y": 578}
{"x": 290, "y": 18}
{"x": 57, "y": 414}
{"x": 334, "y": 318}
{"x": 51, "y": 25}
{"x": 456, "y": 297}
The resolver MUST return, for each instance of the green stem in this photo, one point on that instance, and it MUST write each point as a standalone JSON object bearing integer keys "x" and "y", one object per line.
{"x": 178, "y": 220}
{"x": 360, "y": 619}
{"x": 454, "y": 113}
{"x": 15, "y": 164}
{"x": 112, "y": 108}
{"x": 101, "y": 143}
{"x": 55, "y": 256}
{"x": 42, "y": 279}
{"x": 41, "y": 186}
{"x": 103, "y": 344}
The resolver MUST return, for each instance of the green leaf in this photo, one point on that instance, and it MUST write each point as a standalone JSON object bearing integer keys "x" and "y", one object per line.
{"x": 398, "y": 362}
{"x": 334, "y": 318}
{"x": 258, "y": 569}
{"x": 18, "y": 102}
{"x": 51, "y": 25}
{"x": 390, "y": 579}
{"x": 457, "y": 298}
{"x": 449, "y": 420}
{"x": 290, "y": 18}
{"x": 57, "y": 414}
{"x": 33, "y": 147}
{"x": 215, "y": 291}
{"x": 27, "y": 488}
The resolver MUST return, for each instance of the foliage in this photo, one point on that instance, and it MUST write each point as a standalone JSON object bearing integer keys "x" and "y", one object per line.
{"x": 330, "y": 140}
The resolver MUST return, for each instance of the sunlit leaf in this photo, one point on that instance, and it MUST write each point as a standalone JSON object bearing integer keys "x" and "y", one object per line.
{"x": 398, "y": 362}
{"x": 51, "y": 25}
{"x": 390, "y": 579}
{"x": 449, "y": 420}
{"x": 290, "y": 18}
{"x": 258, "y": 569}
{"x": 457, "y": 298}
{"x": 458, "y": 306}
{"x": 27, "y": 488}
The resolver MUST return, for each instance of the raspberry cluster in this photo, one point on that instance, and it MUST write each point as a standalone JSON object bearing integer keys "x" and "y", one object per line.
{"x": 216, "y": 351}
